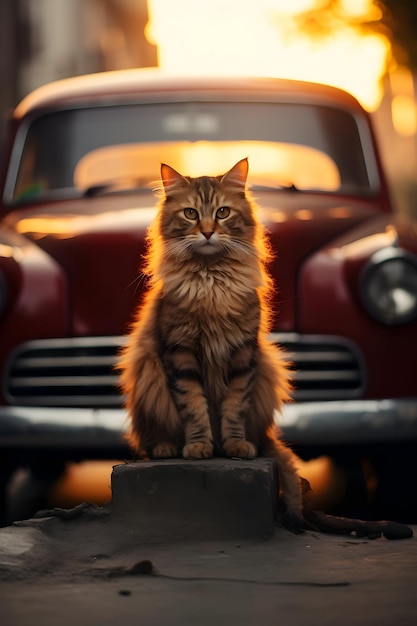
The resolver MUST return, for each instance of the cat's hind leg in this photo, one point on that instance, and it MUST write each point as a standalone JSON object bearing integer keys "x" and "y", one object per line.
{"x": 165, "y": 450}
{"x": 155, "y": 425}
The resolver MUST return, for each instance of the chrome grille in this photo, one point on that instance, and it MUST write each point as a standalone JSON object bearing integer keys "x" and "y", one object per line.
{"x": 79, "y": 372}
{"x": 74, "y": 372}
{"x": 325, "y": 367}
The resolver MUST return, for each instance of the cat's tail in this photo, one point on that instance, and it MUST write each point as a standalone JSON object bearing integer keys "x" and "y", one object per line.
{"x": 291, "y": 487}
{"x": 296, "y": 513}
{"x": 333, "y": 524}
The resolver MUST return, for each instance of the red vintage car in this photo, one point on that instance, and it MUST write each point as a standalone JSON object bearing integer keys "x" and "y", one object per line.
{"x": 81, "y": 160}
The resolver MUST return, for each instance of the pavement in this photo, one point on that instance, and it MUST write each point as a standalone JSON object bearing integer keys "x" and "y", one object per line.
{"x": 186, "y": 542}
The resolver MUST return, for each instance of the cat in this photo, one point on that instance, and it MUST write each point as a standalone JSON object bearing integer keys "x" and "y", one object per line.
{"x": 198, "y": 372}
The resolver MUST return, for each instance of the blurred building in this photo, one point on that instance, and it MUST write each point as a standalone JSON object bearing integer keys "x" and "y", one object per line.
{"x": 45, "y": 40}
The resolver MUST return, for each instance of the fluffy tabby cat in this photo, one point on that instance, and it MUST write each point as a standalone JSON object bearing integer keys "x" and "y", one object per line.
{"x": 198, "y": 372}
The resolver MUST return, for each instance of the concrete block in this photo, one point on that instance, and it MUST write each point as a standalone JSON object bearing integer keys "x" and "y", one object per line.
{"x": 177, "y": 500}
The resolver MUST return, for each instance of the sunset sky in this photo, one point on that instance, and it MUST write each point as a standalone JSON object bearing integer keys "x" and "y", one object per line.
{"x": 247, "y": 37}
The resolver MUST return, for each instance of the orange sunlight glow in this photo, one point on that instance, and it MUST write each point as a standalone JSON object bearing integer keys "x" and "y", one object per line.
{"x": 255, "y": 37}
{"x": 121, "y": 162}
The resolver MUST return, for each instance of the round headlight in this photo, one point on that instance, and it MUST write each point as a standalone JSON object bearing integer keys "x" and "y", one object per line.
{"x": 389, "y": 286}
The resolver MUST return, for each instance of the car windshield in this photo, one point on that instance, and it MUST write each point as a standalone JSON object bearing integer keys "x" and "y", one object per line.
{"x": 301, "y": 146}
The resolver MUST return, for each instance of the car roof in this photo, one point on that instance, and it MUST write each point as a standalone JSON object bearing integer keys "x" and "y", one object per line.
{"x": 126, "y": 85}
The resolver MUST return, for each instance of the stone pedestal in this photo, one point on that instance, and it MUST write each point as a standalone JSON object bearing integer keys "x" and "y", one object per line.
{"x": 176, "y": 500}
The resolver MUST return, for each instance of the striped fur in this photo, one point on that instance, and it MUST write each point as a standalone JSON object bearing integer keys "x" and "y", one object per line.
{"x": 198, "y": 373}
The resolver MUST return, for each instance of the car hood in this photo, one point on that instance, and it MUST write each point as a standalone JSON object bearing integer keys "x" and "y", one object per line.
{"x": 98, "y": 244}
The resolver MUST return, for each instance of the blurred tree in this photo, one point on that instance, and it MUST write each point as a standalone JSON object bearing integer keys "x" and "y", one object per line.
{"x": 395, "y": 19}
{"x": 400, "y": 17}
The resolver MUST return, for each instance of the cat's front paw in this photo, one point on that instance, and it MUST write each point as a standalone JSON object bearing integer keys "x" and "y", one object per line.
{"x": 240, "y": 448}
{"x": 164, "y": 450}
{"x": 203, "y": 450}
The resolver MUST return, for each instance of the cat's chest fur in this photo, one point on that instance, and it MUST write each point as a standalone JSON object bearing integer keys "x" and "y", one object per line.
{"x": 217, "y": 290}
{"x": 211, "y": 309}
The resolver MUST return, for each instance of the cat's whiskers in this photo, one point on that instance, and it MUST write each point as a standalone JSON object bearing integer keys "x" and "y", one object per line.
{"x": 224, "y": 244}
{"x": 137, "y": 282}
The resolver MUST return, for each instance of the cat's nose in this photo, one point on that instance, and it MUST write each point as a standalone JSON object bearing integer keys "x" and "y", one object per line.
{"x": 208, "y": 234}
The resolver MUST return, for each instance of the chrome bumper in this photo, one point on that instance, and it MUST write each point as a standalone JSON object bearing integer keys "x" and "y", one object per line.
{"x": 309, "y": 423}
{"x": 39, "y": 427}
{"x": 350, "y": 422}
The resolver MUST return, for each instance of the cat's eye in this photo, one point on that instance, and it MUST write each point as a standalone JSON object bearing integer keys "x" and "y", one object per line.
{"x": 191, "y": 214}
{"x": 223, "y": 212}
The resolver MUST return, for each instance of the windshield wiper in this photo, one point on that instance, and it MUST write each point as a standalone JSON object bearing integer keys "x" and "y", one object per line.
{"x": 97, "y": 190}
{"x": 290, "y": 187}
{"x": 103, "y": 189}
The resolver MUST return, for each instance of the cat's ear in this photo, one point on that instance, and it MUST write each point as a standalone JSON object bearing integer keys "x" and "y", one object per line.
{"x": 237, "y": 176}
{"x": 171, "y": 177}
